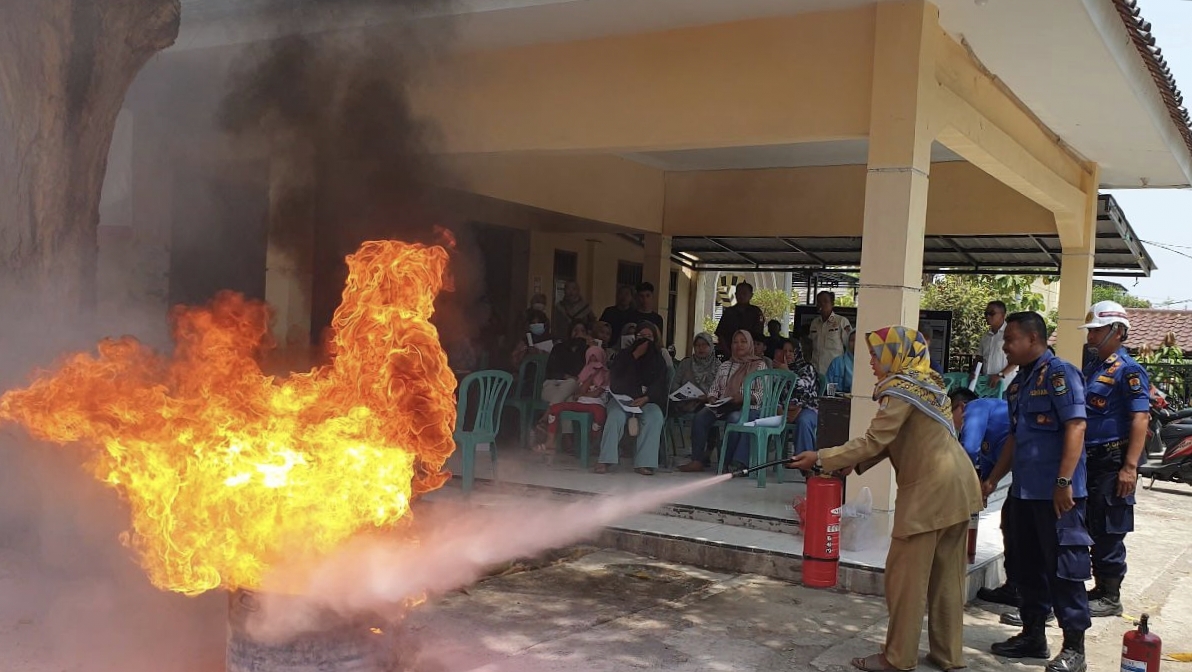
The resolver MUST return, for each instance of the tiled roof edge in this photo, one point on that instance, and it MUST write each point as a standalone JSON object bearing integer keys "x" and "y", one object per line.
{"x": 1144, "y": 42}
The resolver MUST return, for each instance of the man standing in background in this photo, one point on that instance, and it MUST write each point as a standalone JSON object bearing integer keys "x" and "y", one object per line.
{"x": 993, "y": 360}
{"x": 741, "y": 316}
{"x": 619, "y": 315}
{"x": 829, "y": 333}
{"x": 646, "y": 311}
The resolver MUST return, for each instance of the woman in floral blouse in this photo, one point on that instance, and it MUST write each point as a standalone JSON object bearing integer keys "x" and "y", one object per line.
{"x": 803, "y": 413}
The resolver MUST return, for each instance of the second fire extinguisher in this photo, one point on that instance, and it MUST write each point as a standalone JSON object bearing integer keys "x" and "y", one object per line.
{"x": 1141, "y": 650}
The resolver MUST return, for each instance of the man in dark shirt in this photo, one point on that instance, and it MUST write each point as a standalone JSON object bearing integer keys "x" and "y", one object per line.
{"x": 619, "y": 315}
{"x": 645, "y": 308}
{"x": 742, "y": 315}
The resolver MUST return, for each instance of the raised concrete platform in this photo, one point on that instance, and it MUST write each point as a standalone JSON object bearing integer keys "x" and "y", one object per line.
{"x": 733, "y": 526}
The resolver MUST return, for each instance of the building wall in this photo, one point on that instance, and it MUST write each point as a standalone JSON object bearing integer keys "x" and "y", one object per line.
{"x": 597, "y": 258}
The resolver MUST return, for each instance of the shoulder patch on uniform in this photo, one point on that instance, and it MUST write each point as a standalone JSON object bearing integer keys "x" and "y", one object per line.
{"x": 1059, "y": 384}
{"x": 1013, "y": 389}
{"x": 1098, "y": 402}
{"x": 1135, "y": 382}
{"x": 1113, "y": 368}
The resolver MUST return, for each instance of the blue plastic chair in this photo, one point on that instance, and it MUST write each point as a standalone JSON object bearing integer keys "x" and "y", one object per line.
{"x": 491, "y": 390}
{"x": 777, "y": 388}
{"x": 527, "y": 394}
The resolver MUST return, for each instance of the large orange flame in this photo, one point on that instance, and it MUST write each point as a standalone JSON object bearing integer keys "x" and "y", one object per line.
{"x": 228, "y": 470}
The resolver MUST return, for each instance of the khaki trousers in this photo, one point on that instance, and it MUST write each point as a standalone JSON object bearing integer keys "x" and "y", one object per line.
{"x": 927, "y": 570}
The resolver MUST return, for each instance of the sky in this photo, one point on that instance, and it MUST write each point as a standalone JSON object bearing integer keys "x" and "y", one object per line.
{"x": 1164, "y": 216}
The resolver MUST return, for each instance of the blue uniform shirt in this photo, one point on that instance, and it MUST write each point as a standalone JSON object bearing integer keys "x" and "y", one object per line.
{"x": 1115, "y": 389}
{"x": 1041, "y": 401}
{"x": 986, "y": 428}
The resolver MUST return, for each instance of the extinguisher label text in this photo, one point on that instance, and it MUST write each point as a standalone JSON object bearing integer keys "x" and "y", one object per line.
{"x": 1133, "y": 665}
{"x": 835, "y": 527}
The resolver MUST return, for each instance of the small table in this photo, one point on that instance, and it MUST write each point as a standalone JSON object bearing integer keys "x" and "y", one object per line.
{"x": 834, "y": 414}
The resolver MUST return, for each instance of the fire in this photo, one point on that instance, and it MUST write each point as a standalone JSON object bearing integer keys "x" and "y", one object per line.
{"x": 227, "y": 470}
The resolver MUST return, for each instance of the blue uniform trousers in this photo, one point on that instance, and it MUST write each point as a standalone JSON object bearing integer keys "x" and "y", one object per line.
{"x": 1110, "y": 517}
{"x": 1051, "y": 558}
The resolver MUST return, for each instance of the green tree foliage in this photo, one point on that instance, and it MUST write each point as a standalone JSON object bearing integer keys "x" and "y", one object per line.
{"x": 966, "y": 297}
{"x": 710, "y": 324}
{"x": 845, "y": 300}
{"x": 773, "y": 302}
{"x": 1109, "y": 293}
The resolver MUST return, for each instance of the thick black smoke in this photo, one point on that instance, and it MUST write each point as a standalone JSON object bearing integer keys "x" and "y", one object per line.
{"x": 350, "y": 160}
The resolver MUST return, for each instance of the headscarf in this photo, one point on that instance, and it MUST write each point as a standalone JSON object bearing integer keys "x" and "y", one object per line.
{"x": 747, "y": 365}
{"x": 905, "y": 362}
{"x": 703, "y": 371}
{"x": 595, "y": 372}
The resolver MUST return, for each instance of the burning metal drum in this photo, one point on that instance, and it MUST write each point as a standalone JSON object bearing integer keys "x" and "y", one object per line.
{"x": 341, "y": 645}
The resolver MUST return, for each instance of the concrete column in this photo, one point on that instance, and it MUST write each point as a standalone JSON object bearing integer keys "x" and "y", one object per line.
{"x": 1076, "y": 271}
{"x": 289, "y": 264}
{"x": 895, "y": 201}
{"x": 656, "y": 269}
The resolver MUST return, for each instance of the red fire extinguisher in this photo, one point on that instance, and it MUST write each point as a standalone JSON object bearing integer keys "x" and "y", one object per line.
{"x": 1141, "y": 650}
{"x": 821, "y": 531}
{"x": 974, "y": 521}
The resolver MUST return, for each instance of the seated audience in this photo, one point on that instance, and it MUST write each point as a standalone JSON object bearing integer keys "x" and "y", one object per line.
{"x": 803, "y": 412}
{"x": 591, "y": 394}
{"x": 759, "y": 349}
{"x": 572, "y": 308}
{"x": 638, "y": 372}
{"x": 646, "y": 329}
{"x": 730, "y": 379}
{"x": 774, "y": 338}
{"x": 536, "y": 330}
{"x": 564, "y": 364}
{"x": 699, "y": 369}
{"x": 840, "y": 371}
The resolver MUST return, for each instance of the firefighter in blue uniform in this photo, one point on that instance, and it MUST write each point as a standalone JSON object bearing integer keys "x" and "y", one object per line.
{"x": 1118, "y": 397}
{"x": 1048, "y": 534}
{"x": 983, "y": 425}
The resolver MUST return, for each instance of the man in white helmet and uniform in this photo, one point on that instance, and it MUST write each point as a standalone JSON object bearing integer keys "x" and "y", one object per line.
{"x": 1117, "y": 395}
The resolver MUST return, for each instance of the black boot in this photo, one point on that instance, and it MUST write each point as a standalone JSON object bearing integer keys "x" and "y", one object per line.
{"x": 1030, "y": 643}
{"x": 1109, "y": 602}
{"x": 1097, "y": 591}
{"x": 1071, "y": 658}
{"x": 1003, "y": 594}
{"x": 1014, "y": 619}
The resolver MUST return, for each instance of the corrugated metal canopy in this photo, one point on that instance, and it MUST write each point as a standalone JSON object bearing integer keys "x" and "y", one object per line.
{"x": 1119, "y": 252}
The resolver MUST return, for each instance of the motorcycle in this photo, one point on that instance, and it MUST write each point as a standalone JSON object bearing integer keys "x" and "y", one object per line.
{"x": 1169, "y": 443}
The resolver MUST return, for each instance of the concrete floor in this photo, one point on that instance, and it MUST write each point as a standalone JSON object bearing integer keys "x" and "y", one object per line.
{"x": 589, "y": 612}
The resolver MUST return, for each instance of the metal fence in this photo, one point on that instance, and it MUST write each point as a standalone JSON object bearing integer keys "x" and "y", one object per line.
{"x": 1174, "y": 379}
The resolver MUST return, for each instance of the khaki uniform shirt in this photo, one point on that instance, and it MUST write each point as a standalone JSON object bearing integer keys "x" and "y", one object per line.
{"x": 937, "y": 484}
{"x": 829, "y": 340}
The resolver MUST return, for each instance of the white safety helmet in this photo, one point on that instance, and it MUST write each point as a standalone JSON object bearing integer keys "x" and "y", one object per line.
{"x": 1105, "y": 313}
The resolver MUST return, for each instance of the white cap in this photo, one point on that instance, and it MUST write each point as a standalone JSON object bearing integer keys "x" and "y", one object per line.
{"x": 1105, "y": 313}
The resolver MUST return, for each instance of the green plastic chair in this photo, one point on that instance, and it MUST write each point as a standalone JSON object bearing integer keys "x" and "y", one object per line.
{"x": 955, "y": 381}
{"x": 527, "y": 394}
{"x": 777, "y": 388}
{"x": 583, "y": 431}
{"x": 491, "y": 390}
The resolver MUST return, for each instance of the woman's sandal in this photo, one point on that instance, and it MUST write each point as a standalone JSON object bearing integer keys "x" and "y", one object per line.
{"x": 875, "y": 663}
{"x": 645, "y": 471}
{"x": 601, "y": 468}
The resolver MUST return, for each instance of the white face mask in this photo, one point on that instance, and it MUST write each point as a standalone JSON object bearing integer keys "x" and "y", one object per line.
{"x": 538, "y": 329}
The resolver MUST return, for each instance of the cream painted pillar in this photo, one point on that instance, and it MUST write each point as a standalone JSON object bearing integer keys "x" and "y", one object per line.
{"x": 895, "y": 201}
{"x": 656, "y": 269}
{"x": 1076, "y": 271}
{"x": 288, "y": 262}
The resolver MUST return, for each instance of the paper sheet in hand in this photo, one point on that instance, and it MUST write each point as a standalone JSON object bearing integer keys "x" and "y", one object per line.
{"x": 717, "y": 403}
{"x": 688, "y": 391}
{"x": 625, "y": 400}
{"x": 545, "y": 346}
{"x": 591, "y": 400}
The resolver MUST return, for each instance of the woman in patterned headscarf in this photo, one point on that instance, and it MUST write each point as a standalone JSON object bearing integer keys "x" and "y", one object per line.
{"x": 937, "y": 493}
